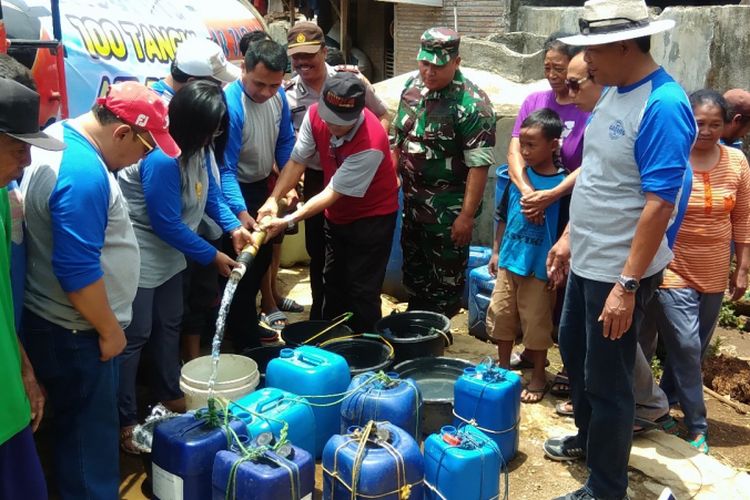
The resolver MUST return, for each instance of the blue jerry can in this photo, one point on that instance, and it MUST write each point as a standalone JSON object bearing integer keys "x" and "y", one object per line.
{"x": 272, "y": 407}
{"x": 466, "y": 453}
{"x": 183, "y": 454}
{"x": 385, "y": 463}
{"x": 311, "y": 372}
{"x": 489, "y": 398}
{"x": 396, "y": 400}
{"x": 481, "y": 284}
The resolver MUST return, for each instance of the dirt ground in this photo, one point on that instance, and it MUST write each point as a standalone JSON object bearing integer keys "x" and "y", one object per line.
{"x": 657, "y": 460}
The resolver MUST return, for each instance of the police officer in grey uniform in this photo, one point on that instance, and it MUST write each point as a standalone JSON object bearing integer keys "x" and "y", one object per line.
{"x": 306, "y": 47}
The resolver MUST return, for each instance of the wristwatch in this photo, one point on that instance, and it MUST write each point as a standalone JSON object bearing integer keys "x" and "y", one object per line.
{"x": 289, "y": 219}
{"x": 628, "y": 283}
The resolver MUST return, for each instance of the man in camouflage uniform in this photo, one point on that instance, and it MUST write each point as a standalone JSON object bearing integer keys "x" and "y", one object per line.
{"x": 443, "y": 135}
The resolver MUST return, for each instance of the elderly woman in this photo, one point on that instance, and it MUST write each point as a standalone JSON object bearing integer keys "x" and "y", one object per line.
{"x": 694, "y": 283}
{"x": 166, "y": 200}
{"x": 557, "y": 57}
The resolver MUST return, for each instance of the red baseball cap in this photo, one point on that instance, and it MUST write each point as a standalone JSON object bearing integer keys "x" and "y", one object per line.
{"x": 139, "y": 106}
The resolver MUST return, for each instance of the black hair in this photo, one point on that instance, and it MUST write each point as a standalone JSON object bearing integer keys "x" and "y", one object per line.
{"x": 196, "y": 112}
{"x": 252, "y": 37}
{"x": 711, "y": 98}
{"x": 553, "y": 43}
{"x": 643, "y": 43}
{"x": 14, "y": 70}
{"x": 335, "y": 57}
{"x": 103, "y": 115}
{"x": 177, "y": 74}
{"x": 271, "y": 54}
{"x": 547, "y": 120}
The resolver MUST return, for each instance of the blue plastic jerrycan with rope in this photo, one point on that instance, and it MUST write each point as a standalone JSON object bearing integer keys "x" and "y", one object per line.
{"x": 182, "y": 456}
{"x": 481, "y": 284}
{"x": 379, "y": 460}
{"x": 268, "y": 409}
{"x": 478, "y": 256}
{"x": 318, "y": 375}
{"x": 489, "y": 398}
{"x": 287, "y": 473}
{"x": 466, "y": 453}
{"x": 383, "y": 398}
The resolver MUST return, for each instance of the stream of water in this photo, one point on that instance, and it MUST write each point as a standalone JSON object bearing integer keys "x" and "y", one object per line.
{"x": 226, "y": 302}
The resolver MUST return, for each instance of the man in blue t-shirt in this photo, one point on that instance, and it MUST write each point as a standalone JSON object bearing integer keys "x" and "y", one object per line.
{"x": 739, "y": 117}
{"x": 260, "y": 134}
{"x": 636, "y": 150}
{"x": 83, "y": 275}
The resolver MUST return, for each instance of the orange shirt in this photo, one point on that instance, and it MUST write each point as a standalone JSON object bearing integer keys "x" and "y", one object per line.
{"x": 718, "y": 212}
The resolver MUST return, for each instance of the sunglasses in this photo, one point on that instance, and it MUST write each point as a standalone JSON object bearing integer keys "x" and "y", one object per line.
{"x": 575, "y": 85}
{"x": 148, "y": 146}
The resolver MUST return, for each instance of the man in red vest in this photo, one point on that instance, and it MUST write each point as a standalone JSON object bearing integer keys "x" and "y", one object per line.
{"x": 360, "y": 199}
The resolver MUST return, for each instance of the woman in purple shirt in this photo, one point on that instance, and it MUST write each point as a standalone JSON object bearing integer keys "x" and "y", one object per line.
{"x": 557, "y": 55}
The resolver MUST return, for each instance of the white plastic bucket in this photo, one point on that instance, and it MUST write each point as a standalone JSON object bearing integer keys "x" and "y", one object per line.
{"x": 237, "y": 377}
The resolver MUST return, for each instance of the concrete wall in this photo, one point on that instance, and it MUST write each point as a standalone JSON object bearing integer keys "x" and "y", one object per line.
{"x": 707, "y": 48}
{"x": 477, "y": 18}
{"x": 516, "y": 56}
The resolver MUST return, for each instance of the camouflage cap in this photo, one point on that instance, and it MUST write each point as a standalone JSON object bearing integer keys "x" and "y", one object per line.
{"x": 439, "y": 45}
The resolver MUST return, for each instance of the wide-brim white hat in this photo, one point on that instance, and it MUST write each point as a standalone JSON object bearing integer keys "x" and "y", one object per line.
{"x": 607, "y": 21}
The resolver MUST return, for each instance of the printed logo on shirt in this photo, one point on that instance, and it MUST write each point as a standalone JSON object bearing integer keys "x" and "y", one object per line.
{"x": 616, "y": 130}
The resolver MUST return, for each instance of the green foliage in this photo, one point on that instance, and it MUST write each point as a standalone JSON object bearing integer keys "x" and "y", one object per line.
{"x": 727, "y": 316}
{"x": 714, "y": 348}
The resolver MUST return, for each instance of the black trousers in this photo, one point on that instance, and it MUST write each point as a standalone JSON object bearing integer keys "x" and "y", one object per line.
{"x": 242, "y": 321}
{"x": 356, "y": 257}
{"x": 315, "y": 243}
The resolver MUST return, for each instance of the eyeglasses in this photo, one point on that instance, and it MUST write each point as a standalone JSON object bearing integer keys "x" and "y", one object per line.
{"x": 148, "y": 146}
{"x": 575, "y": 85}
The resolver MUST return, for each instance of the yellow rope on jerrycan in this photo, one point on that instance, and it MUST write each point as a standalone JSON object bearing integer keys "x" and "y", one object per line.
{"x": 361, "y": 437}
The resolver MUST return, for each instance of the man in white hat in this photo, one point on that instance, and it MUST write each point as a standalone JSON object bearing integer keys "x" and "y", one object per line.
{"x": 636, "y": 150}
{"x": 196, "y": 59}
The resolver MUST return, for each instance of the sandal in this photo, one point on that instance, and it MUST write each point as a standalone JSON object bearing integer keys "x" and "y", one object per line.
{"x": 290, "y": 305}
{"x": 276, "y": 320}
{"x": 126, "y": 440}
{"x": 564, "y": 408}
{"x": 665, "y": 423}
{"x": 519, "y": 362}
{"x": 700, "y": 443}
{"x": 533, "y": 395}
{"x": 561, "y": 386}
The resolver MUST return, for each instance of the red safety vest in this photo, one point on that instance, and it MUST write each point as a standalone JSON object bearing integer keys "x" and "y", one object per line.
{"x": 381, "y": 197}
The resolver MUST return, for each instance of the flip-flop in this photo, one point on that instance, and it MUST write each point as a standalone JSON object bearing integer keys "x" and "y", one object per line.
{"x": 700, "y": 443}
{"x": 541, "y": 391}
{"x": 561, "y": 408}
{"x": 560, "y": 379}
{"x": 276, "y": 320}
{"x": 519, "y": 362}
{"x": 665, "y": 423}
{"x": 290, "y": 305}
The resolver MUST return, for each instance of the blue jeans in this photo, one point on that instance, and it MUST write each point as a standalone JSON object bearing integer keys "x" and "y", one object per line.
{"x": 21, "y": 474}
{"x": 601, "y": 380}
{"x": 82, "y": 393}
{"x": 157, "y": 316}
{"x": 686, "y": 320}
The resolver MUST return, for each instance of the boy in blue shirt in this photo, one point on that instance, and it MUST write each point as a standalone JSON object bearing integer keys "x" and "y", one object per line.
{"x": 523, "y": 298}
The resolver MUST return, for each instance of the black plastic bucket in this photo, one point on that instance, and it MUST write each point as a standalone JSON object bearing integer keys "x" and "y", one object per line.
{"x": 362, "y": 355}
{"x": 297, "y": 334}
{"x": 435, "y": 378}
{"x": 262, "y": 356}
{"x": 416, "y": 334}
